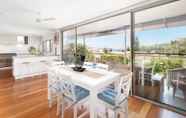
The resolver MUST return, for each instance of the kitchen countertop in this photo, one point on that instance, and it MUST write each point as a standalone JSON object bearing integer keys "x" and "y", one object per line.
{"x": 31, "y": 58}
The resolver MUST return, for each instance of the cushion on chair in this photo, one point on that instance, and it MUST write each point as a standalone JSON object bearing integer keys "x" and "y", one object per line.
{"x": 111, "y": 86}
{"x": 108, "y": 96}
{"x": 80, "y": 93}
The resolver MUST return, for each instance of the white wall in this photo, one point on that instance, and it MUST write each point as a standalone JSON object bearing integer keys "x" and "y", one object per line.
{"x": 9, "y": 44}
{"x": 34, "y": 41}
{"x": 58, "y": 46}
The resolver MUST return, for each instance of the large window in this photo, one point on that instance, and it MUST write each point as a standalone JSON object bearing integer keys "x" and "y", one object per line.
{"x": 106, "y": 42}
{"x": 159, "y": 50}
{"x": 48, "y": 46}
{"x": 69, "y": 45}
{"x": 160, "y": 55}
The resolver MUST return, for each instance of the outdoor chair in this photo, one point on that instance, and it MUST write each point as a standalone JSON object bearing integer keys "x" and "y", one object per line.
{"x": 145, "y": 74}
{"x": 177, "y": 79}
{"x": 148, "y": 74}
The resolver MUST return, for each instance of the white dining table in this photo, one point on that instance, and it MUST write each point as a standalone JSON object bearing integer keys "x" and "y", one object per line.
{"x": 93, "y": 80}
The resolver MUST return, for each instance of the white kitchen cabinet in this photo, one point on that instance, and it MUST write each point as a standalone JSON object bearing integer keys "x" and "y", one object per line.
{"x": 29, "y": 66}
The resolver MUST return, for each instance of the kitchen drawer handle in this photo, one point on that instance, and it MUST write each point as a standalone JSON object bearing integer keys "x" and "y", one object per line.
{"x": 26, "y": 63}
{"x": 43, "y": 61}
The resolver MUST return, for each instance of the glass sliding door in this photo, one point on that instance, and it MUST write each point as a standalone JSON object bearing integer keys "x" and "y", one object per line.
{"x": 107, "y": 43}
{"x": 160, "y": 55}
{"x": 159, "y": 50}
{"x": 69, "y": 46}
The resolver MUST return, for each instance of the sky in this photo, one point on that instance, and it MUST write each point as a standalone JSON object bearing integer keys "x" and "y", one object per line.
{"x": 148, "y": 37}
{"x": 109, "y": 41}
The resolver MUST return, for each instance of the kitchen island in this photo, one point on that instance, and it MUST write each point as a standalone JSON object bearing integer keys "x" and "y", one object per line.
{"x": 27, "y": 66}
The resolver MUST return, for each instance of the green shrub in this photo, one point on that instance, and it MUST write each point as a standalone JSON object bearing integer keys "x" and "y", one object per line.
{"x": 114, "y": 58}
{"x": 90, "y": 56}
{"x": 162, "y": 65}
{"x": 175, "y": 63}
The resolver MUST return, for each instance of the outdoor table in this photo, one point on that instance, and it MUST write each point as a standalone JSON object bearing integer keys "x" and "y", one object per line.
{"x": 160, "y": 79}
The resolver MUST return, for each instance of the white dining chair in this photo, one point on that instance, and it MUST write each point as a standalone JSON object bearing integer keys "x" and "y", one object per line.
{"x": 54, "y": 90}
{"x": 117, "y": 99}
{"x": 75, "y": 95}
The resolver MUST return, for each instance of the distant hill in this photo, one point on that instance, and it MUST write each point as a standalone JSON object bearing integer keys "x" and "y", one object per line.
{"x": 176, "y": 46}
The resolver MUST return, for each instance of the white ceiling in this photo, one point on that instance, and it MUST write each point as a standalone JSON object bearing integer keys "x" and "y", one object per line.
{"x": 161, "y": 12}
{"x": 16, "y": 15}
{"x": 19, "y": 16}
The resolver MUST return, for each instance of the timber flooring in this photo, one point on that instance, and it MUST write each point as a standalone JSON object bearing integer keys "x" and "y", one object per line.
{"x": 27, "y": 98}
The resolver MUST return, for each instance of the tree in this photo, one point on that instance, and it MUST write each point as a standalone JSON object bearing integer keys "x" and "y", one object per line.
{"x": 105, "y": 50}
{"x": 136, "y": 44}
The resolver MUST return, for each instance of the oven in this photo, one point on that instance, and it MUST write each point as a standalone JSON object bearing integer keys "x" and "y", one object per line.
{"x": 6, "y": 59}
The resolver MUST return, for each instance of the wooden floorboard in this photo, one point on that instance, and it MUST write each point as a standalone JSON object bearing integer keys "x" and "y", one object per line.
{"x": 27, "y": 98}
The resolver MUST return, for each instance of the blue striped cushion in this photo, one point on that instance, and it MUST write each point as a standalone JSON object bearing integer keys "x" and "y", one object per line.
{"x": 108, "y": 96}
{"x": 80, "y": 93}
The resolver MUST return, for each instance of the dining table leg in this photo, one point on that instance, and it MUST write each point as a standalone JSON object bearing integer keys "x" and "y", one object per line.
{"x": 93, "y": 103}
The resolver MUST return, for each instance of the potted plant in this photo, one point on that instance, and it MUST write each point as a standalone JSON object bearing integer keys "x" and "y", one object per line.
{"x": 79, "y": 57}
{"x": 32, "y": 50}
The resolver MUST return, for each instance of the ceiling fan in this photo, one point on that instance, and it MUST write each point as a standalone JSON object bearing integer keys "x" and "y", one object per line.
{"x": 39, "y": 20}
{"x": 1, "y": 12}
